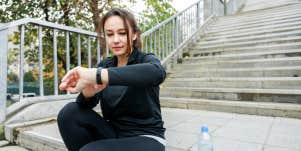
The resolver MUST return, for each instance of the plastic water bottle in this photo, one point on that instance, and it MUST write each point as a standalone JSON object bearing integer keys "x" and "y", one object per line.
{"x": 204, "y": 140}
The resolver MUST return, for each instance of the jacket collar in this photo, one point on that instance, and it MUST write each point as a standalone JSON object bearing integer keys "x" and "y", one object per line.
{"x": 131, "y": 60}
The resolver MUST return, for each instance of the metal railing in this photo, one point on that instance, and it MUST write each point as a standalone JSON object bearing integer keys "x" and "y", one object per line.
{"x": 164, "y": 40}
{"x": 47, "y": 35}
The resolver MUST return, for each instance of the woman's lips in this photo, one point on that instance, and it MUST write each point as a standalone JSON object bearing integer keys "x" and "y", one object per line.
{"x": 117, "y": 48}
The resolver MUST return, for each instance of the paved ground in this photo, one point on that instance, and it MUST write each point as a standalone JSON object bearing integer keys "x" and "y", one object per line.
{"x": 231, "y": 132}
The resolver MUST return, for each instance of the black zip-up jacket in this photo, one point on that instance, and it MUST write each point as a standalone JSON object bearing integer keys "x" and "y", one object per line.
{"x": 130, "y": 102}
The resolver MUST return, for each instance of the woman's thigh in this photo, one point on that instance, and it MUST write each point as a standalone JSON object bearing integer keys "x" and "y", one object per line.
{"x": 138, "y": 143}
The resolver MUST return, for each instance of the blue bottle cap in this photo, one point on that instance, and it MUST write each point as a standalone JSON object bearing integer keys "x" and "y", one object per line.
{"x": 204, "y": 129}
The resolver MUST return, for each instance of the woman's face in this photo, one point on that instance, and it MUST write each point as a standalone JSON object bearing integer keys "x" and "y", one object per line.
{"x": 116, "y": 36}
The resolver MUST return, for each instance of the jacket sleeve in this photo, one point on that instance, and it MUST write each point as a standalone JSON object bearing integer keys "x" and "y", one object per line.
{"x": 148, "y": 73}
{"x": 92, "y": 101}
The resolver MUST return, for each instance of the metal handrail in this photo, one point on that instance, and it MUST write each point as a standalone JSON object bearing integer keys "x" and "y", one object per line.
{"x": 4, "y": 32}
{"x": 167, "y": 20}
{"x": 46, "y": 24}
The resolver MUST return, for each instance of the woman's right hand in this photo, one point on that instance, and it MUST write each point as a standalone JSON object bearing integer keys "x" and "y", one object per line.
{"x": 81, "y": 79}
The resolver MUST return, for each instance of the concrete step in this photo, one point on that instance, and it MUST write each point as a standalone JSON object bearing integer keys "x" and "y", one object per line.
{"x": 44, "y": 137}
{"x": 252, "y": 5}
{"x": 229, "y": 32}
{"x": 234, "y": 94}
{"x": 233, "y": 45}
{"x": 281, "y": 7}
{"x": 258, "y": 23}
{"x": 251, "y": 37}
{"x": 219, "y": 24}
{"x": 266, "y": 12}
{"x": 237, "y": 82}
{"x": 253, "y": 108}
{"x": 293, "y": 26}
{"x": 199, "y": 57}
{"x": 257, "y": 49}
{"x": 247, "y": 63}
{"x": 239, "y": 72}
{"x": 36, "y": 135}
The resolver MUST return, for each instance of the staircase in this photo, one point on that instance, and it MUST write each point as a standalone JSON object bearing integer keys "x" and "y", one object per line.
{"x": 253, "y": 57}
{"x": 245, "y": 63}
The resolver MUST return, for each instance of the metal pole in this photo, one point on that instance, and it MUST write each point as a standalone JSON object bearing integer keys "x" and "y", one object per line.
{"x": 55, "y": 62}
{"x": 41, "y": 61}
{"x": 225, "y": 7}
{"x": 89, "y": 53}
{"x": 21, "y": 69}
{"x": 98, "y": 50}
{"x": 151, "y": 43}
{"x": 3, "y": 73}
{"x": 78, "y": 50}
{"x": 67, "y": 53}
{"x": 197, "y": 15}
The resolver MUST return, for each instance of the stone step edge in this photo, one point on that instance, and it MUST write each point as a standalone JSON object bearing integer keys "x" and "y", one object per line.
{"x": 217, "y": 62}
{"x": 237, "y": 44}
{"x": 242, "y": 107}
{"x": 35, "y": 141}
{"x": 287, "y": 31}
{"x": 243, "y": 15}
{"x": 265, "y": 10}
{"x": 251, "y": 30}
{"x": 255, "y": 20}
{"x": 241, "y": 55}
{"x": 12, "y": 130}
{"x": 174, "y": 73}
{"x": 275, "y": 47}
{"x": 262, "y": 32}
{"x": 234, "y": 24}
{"x": 236, "y": 79}
{"x": 262, "y": 17}
{"x": 236, "y": 90}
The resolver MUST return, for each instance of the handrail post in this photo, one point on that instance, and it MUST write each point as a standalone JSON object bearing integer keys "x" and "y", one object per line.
{"x": 175, "y": 32}
{"x": 198, "y": 15}
{"x": 21, "y": 67}
{"x": 225, "y": 7}
{"x": 3, "y": 73}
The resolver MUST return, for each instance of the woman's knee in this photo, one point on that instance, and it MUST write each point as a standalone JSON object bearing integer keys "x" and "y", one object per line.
{"x": 68, "y": 111}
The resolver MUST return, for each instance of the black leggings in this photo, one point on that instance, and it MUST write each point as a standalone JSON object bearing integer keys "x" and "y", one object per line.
{"x": 85, "y": 130}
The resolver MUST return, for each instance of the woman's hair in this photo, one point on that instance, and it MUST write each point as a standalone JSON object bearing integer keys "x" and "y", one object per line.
{"x": 129, "y": 24}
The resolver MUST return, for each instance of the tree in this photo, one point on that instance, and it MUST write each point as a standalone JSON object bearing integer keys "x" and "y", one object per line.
{"x": 156, "y": 11}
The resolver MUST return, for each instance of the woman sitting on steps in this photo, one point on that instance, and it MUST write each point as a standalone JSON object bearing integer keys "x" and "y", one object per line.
{"x": 127, "y": 87}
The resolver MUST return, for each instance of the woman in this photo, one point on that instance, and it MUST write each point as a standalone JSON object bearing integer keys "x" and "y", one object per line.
{"x": 127, "y": 86}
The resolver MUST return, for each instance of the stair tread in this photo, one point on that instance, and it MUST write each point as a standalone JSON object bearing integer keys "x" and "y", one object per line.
{"x": 291, "y": 38}
{"x": 274, "y": 46}
{"x": 241, "y": 69}
{"x": 238, "y": 103}
{"x": 244, "y": 61}
{"x": 250, "y": 37}
{"x": 238, "y": 90}
{"x": 253, "y": 29}
{"x": 214, "y": 79}
{"x": 262, "y": 32}
{"x": 246, "y": 54}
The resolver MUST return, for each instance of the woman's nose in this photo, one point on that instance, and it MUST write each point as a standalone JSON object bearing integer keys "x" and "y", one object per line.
{"x": 116, "y": 39}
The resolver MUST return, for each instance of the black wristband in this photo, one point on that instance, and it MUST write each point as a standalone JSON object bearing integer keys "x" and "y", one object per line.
{"x": 98, "y": 75}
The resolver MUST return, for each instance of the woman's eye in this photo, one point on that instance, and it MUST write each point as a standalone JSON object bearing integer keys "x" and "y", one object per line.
{"x": 123, "y": 33}
{"x": 109, "y": 35}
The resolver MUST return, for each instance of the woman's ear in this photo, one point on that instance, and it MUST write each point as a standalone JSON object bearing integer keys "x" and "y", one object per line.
{"x": 134, "y": 36}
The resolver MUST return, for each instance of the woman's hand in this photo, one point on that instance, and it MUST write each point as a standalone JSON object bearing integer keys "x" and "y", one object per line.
{"x": 81, "y": 79}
